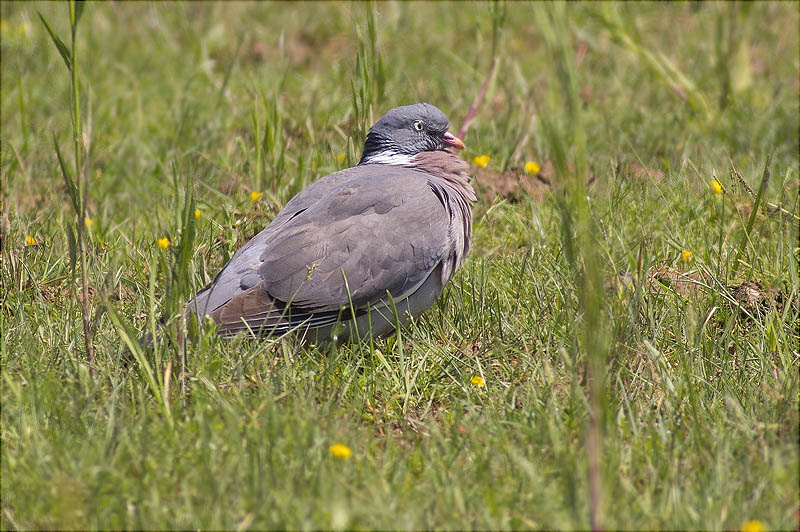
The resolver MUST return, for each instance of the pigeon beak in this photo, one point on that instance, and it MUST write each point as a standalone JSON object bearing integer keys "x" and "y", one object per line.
{"x": 452, "y": 140}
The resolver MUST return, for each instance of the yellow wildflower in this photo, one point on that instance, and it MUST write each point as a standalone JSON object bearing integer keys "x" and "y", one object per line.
{"x": 88, "y": 222}
{"x": 197, "y": 213}
{"x": 753, "y": 526}
{"x": 13, "y": 32}
{"x": 340, "y": 450}
{"x": 255, "y": 195}
{"x": 163, "y": 243}
{"x": 716, "y": 187}
{"x": 532, "y": 167}
{"x": 686, "y": 255}
{"x": 482, "y": 160}
{"x": 340, "y": 157}
{"x": 478, "y": 381}
{"x": 30, "y": 241}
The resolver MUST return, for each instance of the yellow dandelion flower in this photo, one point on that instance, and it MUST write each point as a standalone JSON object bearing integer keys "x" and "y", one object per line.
{"x": 254, "y": 196}
{"x": 716, "y": 187}
{"x": 686, "y": 255}
{"x": 197, "y": 213}
{"x": 163, "y": 243}
{"x": 340, "y": 157}
{"x": 482, "y": 160}
{"x": 340, "y": 450}
{"x": 753, "y": 526}
{"x": 30, "y": 241}
{"x": 478, "y": 381}
{"x": 88, "y": 222}
{"x": 532, "y": 167}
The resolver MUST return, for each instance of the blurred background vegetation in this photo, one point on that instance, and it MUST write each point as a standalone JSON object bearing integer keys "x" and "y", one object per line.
{"x": 182, "y": 81}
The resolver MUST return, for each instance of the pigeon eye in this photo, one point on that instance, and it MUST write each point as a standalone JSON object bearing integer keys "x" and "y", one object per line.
{"x": 418, "y": 125}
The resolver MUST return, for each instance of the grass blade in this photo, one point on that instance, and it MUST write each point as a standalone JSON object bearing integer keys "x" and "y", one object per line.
{"x": 749, "y": 227}
{"x": 62, "y": 48}
{"x": 72, "y": 189}
{"x": 73, "y": 246}
{"x": 79, "y": 5}
{"x": 127, "y": 334}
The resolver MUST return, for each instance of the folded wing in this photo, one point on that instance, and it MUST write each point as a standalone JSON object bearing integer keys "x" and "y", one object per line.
{"x": 377, "y": 232}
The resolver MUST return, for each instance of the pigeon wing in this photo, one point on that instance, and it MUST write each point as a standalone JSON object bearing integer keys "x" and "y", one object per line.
{"x": 380, "y": 233}
{"x": 241, "y": 272}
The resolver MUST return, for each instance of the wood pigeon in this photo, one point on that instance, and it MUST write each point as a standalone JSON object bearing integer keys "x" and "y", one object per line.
{"x": 357, "y": 245}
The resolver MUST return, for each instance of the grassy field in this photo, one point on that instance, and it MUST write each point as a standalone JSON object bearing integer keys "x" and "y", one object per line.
{"x": 635, "y": 334}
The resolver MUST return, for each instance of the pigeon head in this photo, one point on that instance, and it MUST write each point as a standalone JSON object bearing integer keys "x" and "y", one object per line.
{"x": 406, "y": 131}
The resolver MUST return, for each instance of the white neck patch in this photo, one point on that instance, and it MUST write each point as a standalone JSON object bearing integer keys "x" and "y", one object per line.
{"x": 390, "y": 157}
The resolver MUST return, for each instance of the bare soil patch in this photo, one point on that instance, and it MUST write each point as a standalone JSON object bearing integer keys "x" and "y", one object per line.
{"x": 516, "y": 184}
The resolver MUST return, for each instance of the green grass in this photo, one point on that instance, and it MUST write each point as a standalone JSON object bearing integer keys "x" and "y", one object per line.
{"x": 698, "y": 400}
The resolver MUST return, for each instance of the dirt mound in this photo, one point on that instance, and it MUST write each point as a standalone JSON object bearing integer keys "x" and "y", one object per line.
{"x": 754, "y": 299}
{"x": 516, "y": 183}
{"x": 634, "y": 171}
{"x": 749, "y": 297}
{"x": 513, "y": 184}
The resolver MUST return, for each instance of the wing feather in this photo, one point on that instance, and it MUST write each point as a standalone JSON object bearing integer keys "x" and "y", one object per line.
{"x": 387, "y": 232}
{"x": 380, "y": 229}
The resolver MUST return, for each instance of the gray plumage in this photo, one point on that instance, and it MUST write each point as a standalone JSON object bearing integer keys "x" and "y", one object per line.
{"x": 398, "y": 224}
